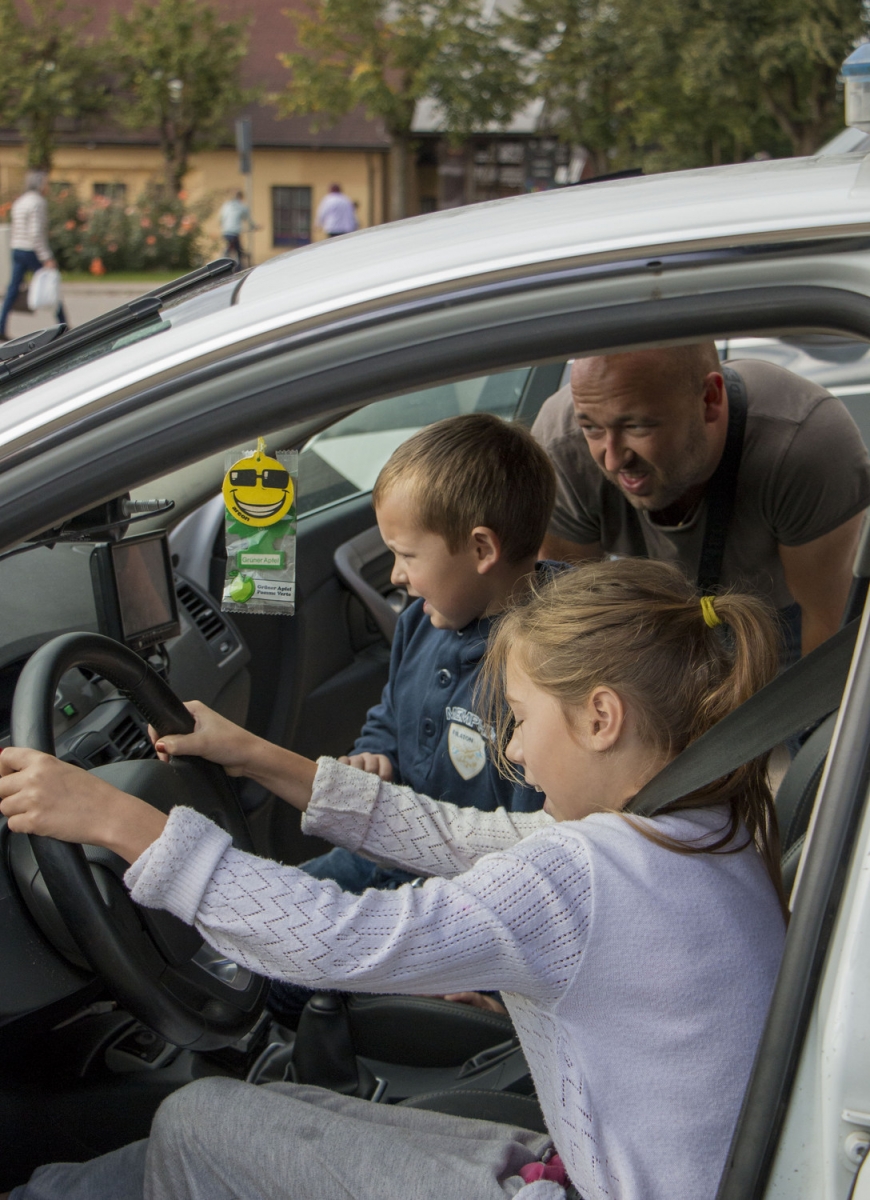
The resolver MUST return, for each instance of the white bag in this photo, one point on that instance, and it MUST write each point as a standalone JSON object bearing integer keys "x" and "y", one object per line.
{"x": 44, "y": 290}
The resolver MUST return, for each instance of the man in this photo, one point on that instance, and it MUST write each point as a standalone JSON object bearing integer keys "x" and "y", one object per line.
{"x": 336, "y": 213}
{"x": 29, "y": 241}
{"x": 233, "y": 216}
{"x": 636, "y": 441}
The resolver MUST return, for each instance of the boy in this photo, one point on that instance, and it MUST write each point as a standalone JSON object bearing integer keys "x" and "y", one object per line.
{"x": 463, "y": 505}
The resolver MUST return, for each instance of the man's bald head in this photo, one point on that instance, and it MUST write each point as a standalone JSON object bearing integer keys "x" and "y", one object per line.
{"x": 679, "y": 371}
{"x": 654, "y": 421}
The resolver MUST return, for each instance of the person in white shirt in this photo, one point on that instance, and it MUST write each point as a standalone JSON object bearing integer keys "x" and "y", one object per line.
{"x": 234, "y": 216}
{"x": 29, "y": 241}
{"x": 635, "y": 956}
{"x": 336, "y": 213}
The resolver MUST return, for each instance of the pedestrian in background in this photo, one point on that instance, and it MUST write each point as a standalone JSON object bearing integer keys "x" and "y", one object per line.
{"x": 29, "y": 241}
{"x": 233, "y": 216}
{"x": 336, "y": 213}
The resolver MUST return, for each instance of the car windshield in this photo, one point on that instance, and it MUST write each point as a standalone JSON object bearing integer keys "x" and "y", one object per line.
{"x": 210, "y": 297}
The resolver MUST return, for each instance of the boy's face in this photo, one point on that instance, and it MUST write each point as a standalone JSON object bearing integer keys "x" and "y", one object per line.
{"x": 451, "y": 584}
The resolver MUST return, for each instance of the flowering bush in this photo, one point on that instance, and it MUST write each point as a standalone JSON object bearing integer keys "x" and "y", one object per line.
{"x": 99, "y": 235}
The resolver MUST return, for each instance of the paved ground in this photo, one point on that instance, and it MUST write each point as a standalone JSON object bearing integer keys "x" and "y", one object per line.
{"x": 83, "y": 301}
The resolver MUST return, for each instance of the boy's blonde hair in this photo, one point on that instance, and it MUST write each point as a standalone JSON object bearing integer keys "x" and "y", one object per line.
{"x": 637, "y": 626}
{"x": 476, "y": 470}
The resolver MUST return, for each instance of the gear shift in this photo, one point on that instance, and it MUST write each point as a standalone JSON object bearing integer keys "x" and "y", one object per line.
{"x": 324, "y": 1055}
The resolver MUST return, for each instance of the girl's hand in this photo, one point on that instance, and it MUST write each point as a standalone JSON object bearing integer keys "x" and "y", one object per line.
{"x": 374, "y": 764}
{"x": 478, "y": 1000}
{"x": 42, "y": 795}
{"x": 214, "y": 738}
{"x": 286, "y": 774}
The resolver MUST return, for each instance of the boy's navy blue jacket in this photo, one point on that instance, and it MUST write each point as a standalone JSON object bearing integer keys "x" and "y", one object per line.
{"x": 427, "y": 723}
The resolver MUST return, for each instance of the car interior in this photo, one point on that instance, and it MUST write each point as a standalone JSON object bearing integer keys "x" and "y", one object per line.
{"x": 82, "y": 1070}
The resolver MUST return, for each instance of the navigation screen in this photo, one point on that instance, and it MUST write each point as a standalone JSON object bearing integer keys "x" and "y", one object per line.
{"x": 143, "y": 586}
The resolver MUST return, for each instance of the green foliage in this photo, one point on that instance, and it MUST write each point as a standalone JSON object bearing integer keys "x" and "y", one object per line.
{"x": 179, "y": 66}
{"x": 156, "y": 232}
{"x": 50, "y": 73}
{"x": 385, "y": 55}
{"x": 688, "y": 82}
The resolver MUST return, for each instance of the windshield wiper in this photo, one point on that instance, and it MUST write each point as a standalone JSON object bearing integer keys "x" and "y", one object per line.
{"x": 34, "y": 350}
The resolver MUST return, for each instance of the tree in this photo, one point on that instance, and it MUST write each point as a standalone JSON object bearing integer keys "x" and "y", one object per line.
{"x": 575, "y": 56}
{"x": 50, "y": 73}
{"x": 385, "y": 55}
{"x": 787, "y": 55}
{"x": 179, "y": 67}
{"x": 688, "y": 82}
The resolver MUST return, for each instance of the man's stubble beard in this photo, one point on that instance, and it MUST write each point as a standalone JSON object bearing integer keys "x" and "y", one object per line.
{"x": 689, "y": 470}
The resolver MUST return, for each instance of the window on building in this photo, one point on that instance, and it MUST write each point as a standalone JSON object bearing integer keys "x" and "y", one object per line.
{"x": 112, "y": 191}
{"x": 291, "y": 216}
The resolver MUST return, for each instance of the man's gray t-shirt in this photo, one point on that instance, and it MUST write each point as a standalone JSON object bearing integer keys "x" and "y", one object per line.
{"x": 804, "y": 470}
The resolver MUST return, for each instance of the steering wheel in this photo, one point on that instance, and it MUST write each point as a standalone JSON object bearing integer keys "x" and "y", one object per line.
{"x": 158, "y": 968}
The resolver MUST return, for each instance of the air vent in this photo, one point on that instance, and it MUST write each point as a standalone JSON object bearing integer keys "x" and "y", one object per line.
{"x": 131, "y": 740}
{"x": 207, "y": 621}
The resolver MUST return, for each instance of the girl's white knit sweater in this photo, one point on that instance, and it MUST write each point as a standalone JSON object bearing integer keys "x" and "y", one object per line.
{"x": 637, "y": 978}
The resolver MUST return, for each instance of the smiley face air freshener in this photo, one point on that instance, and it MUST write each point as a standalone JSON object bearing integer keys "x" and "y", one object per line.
{"x": 259, "y": 492}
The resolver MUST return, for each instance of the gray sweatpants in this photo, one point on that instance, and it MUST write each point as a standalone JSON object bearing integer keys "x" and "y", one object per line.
{"x": 219, "y": 1139}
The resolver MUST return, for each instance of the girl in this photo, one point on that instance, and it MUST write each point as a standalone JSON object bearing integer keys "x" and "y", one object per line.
{"x": 636, "y": 957}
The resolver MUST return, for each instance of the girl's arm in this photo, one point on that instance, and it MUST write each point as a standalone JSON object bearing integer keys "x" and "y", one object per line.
{"x": 355, "y": 809}
{"x": 398, "y": 826}
{"x": 41, "y": 795}
{"x": 516, "y": 922}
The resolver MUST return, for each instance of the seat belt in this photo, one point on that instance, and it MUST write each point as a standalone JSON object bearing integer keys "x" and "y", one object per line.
{"x": 796, "y": 699}
{"x": 720, "y": 493}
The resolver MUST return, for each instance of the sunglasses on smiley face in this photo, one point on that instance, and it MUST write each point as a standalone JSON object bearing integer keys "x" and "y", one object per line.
{"x": 247, "y": 477}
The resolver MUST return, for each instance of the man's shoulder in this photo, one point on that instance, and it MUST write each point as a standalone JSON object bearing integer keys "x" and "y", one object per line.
{"x": 774, "y": 393}
{"x": 556, "y": 419}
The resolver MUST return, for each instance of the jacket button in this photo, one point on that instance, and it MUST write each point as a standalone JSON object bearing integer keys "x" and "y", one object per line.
{"x": 428, "y": 727}
{"x": 444, "y": 677}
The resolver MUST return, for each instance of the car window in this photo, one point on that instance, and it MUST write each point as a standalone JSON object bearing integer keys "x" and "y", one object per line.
{"x": 345, "y": 459}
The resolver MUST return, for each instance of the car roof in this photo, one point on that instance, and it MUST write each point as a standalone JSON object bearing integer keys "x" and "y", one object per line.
{"x": 741, "y": 205}
{"x": 744, "y": 203}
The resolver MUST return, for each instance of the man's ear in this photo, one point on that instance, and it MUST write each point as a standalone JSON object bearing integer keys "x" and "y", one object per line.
{"x": 605, "y": 718}
{"x": 486, "y": 547}
{"x": 714, "y": 398}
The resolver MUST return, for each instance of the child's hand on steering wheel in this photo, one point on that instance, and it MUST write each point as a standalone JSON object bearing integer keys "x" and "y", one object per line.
{"x": 214, "y": 737}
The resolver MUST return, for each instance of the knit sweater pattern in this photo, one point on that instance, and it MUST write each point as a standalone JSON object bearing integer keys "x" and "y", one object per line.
{"x": 637, "y": 978}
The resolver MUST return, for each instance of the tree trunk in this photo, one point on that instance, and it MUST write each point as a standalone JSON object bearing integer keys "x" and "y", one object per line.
{"x": 40, "y": 143}
{"x": 398, "y": 206}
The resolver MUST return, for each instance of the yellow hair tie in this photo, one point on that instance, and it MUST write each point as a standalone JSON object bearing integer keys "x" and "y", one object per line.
{"x": 708, "y": 612}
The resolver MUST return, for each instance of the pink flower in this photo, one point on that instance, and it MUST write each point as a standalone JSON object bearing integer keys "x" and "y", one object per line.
{"x": 70, "y": 225}
{"x": 145, "y": 223}
{"x": 151, "y": 239}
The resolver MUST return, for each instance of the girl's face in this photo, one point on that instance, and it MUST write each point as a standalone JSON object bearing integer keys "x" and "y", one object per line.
{"x": 594, "y": 763}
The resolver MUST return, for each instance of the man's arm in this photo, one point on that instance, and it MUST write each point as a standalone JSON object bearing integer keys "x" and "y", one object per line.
{"x": 559, "y": 549}
{"x": 819, "y": 575}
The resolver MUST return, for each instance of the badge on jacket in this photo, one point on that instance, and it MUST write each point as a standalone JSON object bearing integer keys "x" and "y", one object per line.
{"x": 467, "y": 750}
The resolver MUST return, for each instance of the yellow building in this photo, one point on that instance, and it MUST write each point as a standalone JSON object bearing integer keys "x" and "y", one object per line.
{"x": 293, "y": 166}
